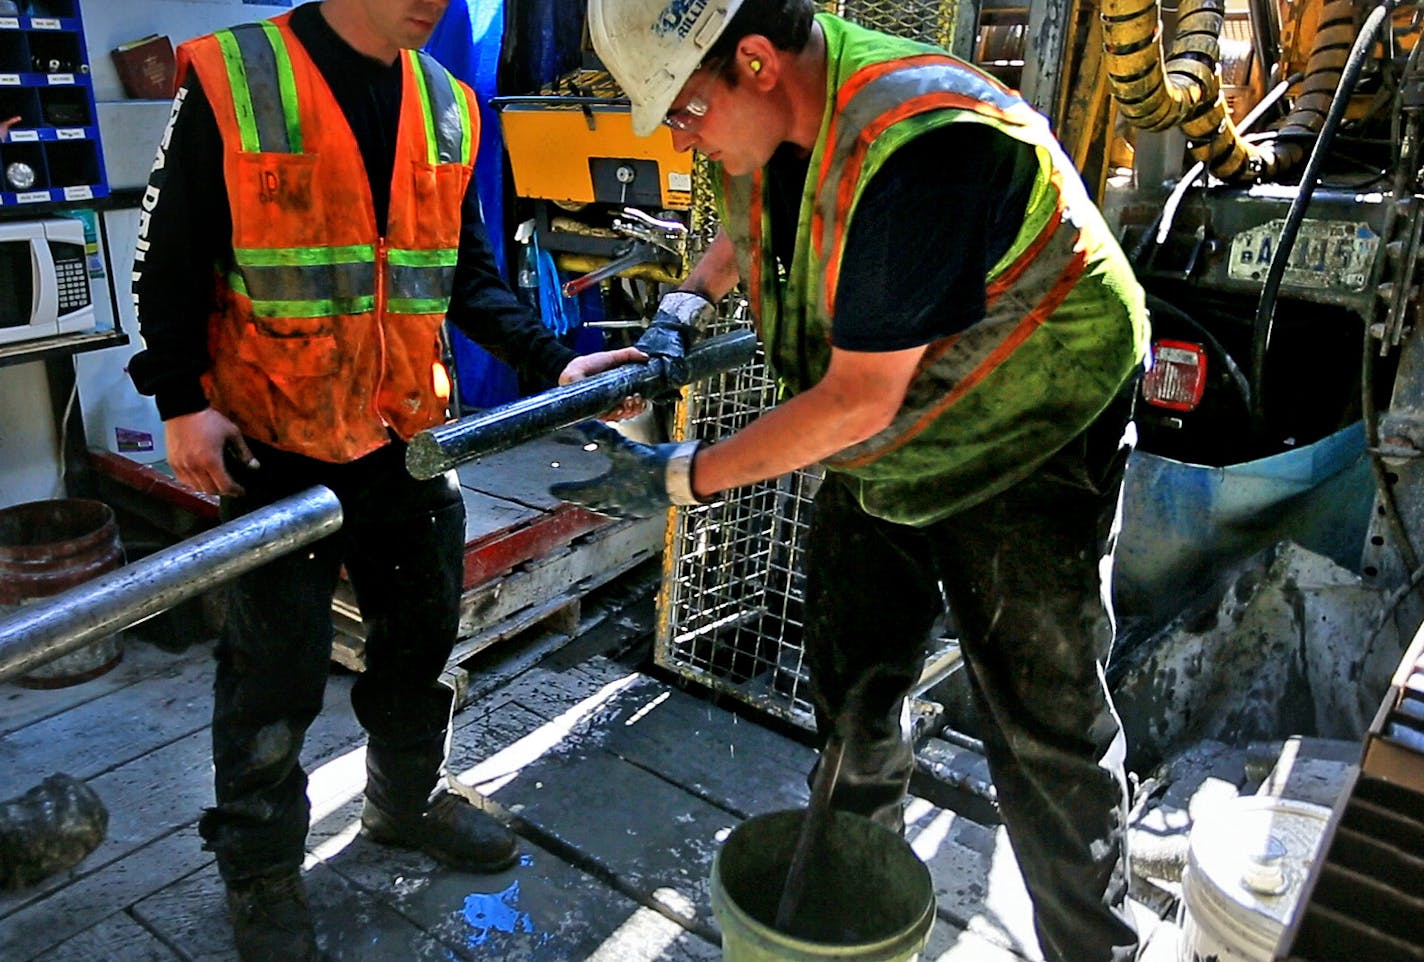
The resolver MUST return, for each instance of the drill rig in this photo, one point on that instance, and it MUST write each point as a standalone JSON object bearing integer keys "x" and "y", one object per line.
{"x": 1272, "y": 211}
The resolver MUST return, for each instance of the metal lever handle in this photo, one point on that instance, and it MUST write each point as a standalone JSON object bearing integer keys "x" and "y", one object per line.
{"x": 640, "y": 253}
{"x": 43, "y": 631}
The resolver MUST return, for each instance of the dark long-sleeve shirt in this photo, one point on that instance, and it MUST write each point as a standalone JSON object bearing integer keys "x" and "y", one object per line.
{"x": 188, "y": 233}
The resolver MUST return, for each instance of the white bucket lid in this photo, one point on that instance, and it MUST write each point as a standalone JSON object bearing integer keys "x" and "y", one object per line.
{"x": 1247, "y": 861}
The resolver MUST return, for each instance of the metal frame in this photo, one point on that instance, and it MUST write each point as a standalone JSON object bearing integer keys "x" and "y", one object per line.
{"x": 729, "y": 610}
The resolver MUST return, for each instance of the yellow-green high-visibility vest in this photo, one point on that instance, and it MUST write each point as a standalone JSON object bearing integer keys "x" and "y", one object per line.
{"x": 1066, "y": 324}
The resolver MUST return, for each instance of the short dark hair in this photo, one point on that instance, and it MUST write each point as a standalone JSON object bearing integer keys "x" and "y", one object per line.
{"x": 786, "y": 23}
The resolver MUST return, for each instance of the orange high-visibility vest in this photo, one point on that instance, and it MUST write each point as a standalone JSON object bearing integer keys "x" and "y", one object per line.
{"x": 326, "y": 334}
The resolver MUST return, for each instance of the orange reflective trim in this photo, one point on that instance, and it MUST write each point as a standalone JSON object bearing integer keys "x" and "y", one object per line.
{"x": 757, "y": 241}
{"x": 1031, "y": 322}
{"x": 857, "y": 82}
{"x": 862, "y": 78}
{"x": 1014, "y": 271}
{"x": 850, "y": 177}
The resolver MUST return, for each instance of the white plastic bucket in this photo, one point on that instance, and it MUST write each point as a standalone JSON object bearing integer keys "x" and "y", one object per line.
{"x": 1247, "y": 862}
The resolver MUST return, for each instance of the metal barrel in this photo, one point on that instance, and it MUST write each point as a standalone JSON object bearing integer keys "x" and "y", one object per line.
{"x": 50, "y": 546}
{"x": 437, "y": 450}
{"x": 46, "y": 630}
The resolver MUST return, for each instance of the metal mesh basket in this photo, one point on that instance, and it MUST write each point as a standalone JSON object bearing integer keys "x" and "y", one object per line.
{"x": 730, "y": 608}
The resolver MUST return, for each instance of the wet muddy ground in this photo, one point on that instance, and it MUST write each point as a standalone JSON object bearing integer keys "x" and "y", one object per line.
{"x": 620, "y": 783}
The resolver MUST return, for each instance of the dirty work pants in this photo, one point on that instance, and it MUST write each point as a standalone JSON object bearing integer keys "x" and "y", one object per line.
{"x": 1027, "y": 576}
{"x": 402, "y": 542}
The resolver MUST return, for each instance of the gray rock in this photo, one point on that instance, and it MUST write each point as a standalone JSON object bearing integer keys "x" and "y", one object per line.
{"x": 50, "y": 828}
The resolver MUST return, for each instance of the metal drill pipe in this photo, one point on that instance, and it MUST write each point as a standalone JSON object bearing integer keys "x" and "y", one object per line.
{"x": 53, "y": 626}
{"x": 437, "y": 450}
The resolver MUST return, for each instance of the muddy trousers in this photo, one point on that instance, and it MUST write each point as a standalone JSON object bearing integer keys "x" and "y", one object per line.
{"x": 1026, "y": 577}
{"x": 402, "y": 543}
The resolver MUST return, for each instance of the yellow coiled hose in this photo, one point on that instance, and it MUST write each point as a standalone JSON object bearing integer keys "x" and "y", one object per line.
{"x": 1184, "y": 90}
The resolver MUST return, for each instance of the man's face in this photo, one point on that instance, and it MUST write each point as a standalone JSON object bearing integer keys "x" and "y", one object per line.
{"x": 406, "y": 24}
{"x": 730, "y": 124}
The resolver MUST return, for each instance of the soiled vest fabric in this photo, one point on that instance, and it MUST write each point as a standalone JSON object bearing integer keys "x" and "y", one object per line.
{"x": 1066, "y": 324}
{"x": 326, "y": 335}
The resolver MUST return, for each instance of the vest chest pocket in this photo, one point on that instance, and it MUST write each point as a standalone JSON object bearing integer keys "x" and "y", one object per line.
{"x": 278, "y": 197}
{"x": 438, "y": 191}
{"x": 291, "y": 347}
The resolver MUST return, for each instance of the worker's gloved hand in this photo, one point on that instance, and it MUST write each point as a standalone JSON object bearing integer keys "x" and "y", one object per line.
{"x": 674, "y": 329}
{"x": 641, "y": 481}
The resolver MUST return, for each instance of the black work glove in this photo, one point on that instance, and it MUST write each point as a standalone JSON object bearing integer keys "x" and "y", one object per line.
{"x": 674, "y": 329}
{"x": 641, "y": 481}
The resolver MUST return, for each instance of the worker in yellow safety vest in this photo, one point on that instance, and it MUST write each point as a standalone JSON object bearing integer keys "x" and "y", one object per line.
{"x": 957, "y": 337}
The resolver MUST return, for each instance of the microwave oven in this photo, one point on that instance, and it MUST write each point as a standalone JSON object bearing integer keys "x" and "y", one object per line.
{"x": 44, "y": 279}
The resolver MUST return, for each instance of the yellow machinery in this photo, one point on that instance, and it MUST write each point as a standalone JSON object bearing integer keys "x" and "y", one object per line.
{"x": 605, "y": 201}
{"x": 577, "y": 147}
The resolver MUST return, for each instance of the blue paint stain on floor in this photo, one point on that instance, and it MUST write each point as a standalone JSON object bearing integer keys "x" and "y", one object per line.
{"x": 496, "y": 912}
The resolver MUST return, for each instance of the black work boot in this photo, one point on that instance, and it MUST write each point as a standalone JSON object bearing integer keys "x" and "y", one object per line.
{"x": 448, "y": 829}
{"x": 270, "y": 919}
{"x": 404, "y": 809}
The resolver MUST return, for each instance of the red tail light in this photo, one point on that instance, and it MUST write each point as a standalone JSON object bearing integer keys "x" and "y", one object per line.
{"x": 1177, "y": 376}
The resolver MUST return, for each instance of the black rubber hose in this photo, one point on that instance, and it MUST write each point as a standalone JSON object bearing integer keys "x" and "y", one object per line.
{"x": 1266, "y": 306}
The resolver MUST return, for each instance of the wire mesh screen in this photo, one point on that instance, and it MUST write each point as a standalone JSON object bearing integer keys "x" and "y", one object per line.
{"x": 730, "y": 607}
{"x": 929, "y": 20}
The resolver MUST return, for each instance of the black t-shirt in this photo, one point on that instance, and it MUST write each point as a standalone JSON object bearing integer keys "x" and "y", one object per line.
{"x": 934, "y": 219}
{"x": 189, "y": 230}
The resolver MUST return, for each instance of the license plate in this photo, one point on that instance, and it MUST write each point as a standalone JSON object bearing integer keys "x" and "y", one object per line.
{"x": 1328, "y": 255}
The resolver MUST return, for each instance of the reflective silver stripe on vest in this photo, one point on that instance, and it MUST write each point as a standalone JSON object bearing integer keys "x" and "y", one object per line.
{"x": 737, "y": 199}
{"x": 420, "y": 283}
{"x": 337, "y": 283}
{"x": 976, "y": 344}
{"x": 449, "y": 119}
{"x": 885, "y": 93}
{"x": 264, "y": 84}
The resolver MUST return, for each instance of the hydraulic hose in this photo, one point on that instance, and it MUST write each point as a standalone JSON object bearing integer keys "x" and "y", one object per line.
{"x": 1184, "y": 90}
{"x": 1153, "y": 94}
{"x": 1161, "y": 227}
{"x": 1270, "y": 288}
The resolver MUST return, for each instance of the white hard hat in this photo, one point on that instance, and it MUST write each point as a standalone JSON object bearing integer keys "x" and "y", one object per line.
{"x": 652, "y": 46}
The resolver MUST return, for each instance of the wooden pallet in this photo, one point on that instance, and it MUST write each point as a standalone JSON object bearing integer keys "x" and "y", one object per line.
{"x": 530, "y": 558}
{"x": 546, "y": 590}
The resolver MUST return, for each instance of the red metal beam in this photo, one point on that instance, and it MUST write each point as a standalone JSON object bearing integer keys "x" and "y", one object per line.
{"x": 486, "y": 557}
{"x": 154, "y": 483}
{"x": 491, "y": 555}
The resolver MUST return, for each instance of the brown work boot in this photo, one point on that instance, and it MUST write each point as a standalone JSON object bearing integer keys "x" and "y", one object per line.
{"x": 449, "y": 829}
{"x": 271, "y": 921}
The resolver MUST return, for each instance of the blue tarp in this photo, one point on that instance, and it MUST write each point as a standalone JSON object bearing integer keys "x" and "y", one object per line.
{"x": 468, "y": 41}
